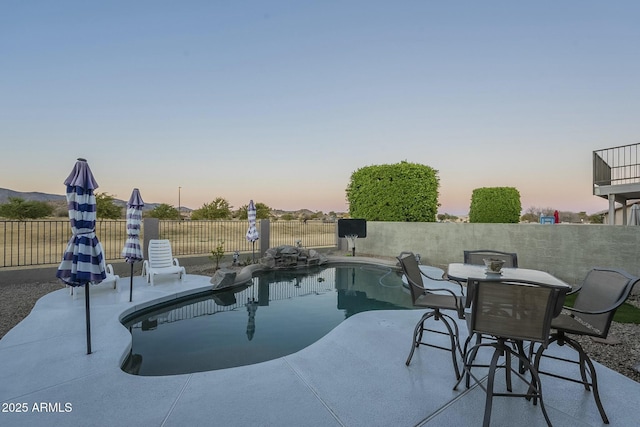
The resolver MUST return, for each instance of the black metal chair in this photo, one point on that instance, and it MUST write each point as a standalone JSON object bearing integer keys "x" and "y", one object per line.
{"x": 476, "y": 257}
{"x": 436, "y": 300}
{"x": 601, "y": 293}
{"x": 510, "y": 312}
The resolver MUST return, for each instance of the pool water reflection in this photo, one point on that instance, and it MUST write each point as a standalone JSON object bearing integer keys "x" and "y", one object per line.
{"x": 278, "y": 313}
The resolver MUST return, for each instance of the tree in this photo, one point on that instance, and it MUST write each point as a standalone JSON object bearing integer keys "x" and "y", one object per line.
{"x": 533, "y": 213}
{"x": 399, "y": 192}
{"x": 218, "y": 253}
{"x": 495, "y": 205}
{"x": 105, "y": 208}
{"x": 20, "y": 209}
{"x": 596, "y": 219}
{"x": 164, "y": 211}
{"x": 217, "y": 209}
{"x": 287, "y": 217}
{"x": 262, "y": 211}
{"x": 447, "y": 217}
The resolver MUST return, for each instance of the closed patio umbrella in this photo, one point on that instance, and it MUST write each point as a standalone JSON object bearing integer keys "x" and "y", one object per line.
{"x": 82, "y": 261}
{"x": 252, "y": 307}
{"x": 252, "y": 232}
{"x": 132, "y": 250}
{"x": 556, "y": 217}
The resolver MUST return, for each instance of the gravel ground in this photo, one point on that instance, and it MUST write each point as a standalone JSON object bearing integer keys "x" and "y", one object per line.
{"x": 17, "y": 301}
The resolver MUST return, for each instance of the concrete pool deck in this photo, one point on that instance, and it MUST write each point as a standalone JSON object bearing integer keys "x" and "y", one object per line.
{"x": 354, "y": 376}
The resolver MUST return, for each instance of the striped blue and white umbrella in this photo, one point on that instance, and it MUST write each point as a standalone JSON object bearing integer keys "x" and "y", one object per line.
{"x": 132, "y": 250}
{"x": 252, "y": 232}
{"x": 82, "y": 261}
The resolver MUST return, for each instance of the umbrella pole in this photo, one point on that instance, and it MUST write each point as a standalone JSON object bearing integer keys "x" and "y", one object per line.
{"x": 87, "y": 316}
{"x": 253, "y": 252}
{"x": 131, "y": 285}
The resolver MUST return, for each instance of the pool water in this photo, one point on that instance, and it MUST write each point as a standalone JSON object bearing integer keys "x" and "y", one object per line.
{"x": 276, "y": 314}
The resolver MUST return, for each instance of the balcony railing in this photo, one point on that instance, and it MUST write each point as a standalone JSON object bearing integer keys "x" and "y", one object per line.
{"x": 24, "y": 243}
{"x": 616, "y": 165}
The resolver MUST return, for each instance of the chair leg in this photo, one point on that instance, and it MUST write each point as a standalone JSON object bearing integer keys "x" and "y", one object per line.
{"x": 452, "y": 332}
{"x": 417, "y": 334}
{"x": 535, "y": 386}
{"x": 596, "y": 393}
{"x": 507, "y": 371}
{"x": 468, "y": 359}
{"x": 474, "y": 352}
{"x": 455, "y": 344}
{"x": 490, "y": 383}
{"x": 589, "y": 377}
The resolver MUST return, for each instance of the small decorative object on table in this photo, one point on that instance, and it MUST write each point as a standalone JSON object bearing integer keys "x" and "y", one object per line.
{"x": 493, "y": 265}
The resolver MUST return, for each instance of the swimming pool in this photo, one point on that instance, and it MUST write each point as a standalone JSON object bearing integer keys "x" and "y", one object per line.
{"x": 276, "y": 314}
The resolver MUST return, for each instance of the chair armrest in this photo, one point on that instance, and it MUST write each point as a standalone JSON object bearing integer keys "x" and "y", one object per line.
{"x": 614, "y": 306}
{"x": 176, "y": 262}
{"x": 109, "y": 269}
{"x": 574, "y": 290}
{"x": 606, "y": 310}
{"x": 442, "y": 279}
{"x": 432, "y": 290}
{"x": 460, "y": 300}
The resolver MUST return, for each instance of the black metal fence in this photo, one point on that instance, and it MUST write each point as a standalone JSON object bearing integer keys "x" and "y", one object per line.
{"x": 40, "y": 242}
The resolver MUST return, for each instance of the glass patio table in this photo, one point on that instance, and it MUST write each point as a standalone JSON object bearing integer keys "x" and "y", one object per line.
{"x": 462, "y": 272}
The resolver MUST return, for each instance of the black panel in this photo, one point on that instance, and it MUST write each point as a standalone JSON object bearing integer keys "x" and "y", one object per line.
{"x": 348, "y": 227}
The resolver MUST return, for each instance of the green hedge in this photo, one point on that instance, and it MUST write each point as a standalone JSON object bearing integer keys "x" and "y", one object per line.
{"x": 495, "y": 205}
{"x": 406, "y": 192}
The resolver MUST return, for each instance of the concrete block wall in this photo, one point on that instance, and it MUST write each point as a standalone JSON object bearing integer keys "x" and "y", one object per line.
{"x": 567, "y": 251}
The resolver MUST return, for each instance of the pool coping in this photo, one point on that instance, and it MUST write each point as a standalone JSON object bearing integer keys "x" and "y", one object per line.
{"x": 353, "y": 376}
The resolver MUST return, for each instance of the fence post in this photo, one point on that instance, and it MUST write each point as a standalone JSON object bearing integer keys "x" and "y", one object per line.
{"x": 265, "y": 229}
{"x": 151, "y": 230}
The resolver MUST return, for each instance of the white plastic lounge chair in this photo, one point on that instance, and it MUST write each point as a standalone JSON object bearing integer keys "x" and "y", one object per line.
{"x": 111, "y": 279}
{"x": 161, "y": 261}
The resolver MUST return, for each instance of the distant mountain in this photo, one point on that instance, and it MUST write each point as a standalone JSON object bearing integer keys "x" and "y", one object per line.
{"x": 299, "y": 212}
{"x": 33, "y": 196}
{"x": 5, "y": 194}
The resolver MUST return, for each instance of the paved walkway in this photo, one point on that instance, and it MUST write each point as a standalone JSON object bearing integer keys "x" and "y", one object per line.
{"x": 354, "y": 376}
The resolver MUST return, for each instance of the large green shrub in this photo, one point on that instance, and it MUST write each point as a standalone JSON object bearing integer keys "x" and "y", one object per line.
{"x": 262, "y": 211}
{"x": 219, "y": 208}
{"x": 20, "y": 209}
{"x": 495, "y": 205}
{"x": 164, "y": 211}
{"x": 106, "y": 208}
{"x": 400, "y": 192}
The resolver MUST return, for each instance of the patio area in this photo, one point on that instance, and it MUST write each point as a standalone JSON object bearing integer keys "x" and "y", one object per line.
{"x": 354, "y": 376}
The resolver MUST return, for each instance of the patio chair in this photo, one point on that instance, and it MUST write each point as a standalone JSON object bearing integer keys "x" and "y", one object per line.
{"x": 435, "y": 300}
{"x": 161, "y": 261}
{"x": 510, "y": 312}
{"x": 599, "y": 296}
{"x": 476, "y": 257}
{"x": 111, "y": 280}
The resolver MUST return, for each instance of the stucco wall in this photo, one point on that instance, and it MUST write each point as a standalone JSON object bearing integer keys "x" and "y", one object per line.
{"x": 567, "y": 251}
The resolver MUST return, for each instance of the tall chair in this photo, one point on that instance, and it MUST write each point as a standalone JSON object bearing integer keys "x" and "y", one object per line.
{"x": 599, "y": 296}
{"x": 476, "y": 257}
{"x": 512, "y": 311}
{"x": 436, "y": 300}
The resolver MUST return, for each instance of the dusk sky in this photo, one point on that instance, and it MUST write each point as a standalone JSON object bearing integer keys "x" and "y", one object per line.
{"x": 281, "y": 101}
